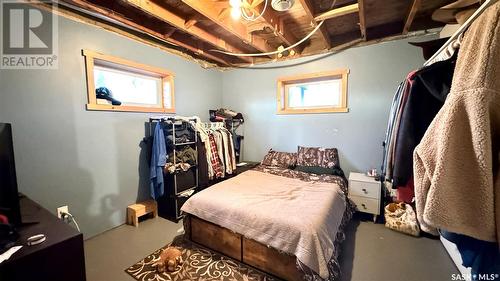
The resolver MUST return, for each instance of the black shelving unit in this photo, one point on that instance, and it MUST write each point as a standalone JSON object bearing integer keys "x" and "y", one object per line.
{"x": 179, "y": 185}
{"x": 231, "y": 124}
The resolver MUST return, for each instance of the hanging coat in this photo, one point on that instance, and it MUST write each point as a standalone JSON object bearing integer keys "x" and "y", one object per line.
{"x": 457, "y": 163}
{"x": 428, "y": 91}
{"x": 158, "y": 161}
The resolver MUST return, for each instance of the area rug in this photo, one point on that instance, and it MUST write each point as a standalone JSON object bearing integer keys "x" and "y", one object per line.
{"x": 199, "y": 264}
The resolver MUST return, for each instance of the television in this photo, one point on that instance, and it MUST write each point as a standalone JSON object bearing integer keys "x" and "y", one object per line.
{"x": 9, "y": 197}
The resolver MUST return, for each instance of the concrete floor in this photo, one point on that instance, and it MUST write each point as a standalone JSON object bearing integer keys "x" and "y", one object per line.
{"x": 371, "y": 252}
{"x": 107, "y": 255}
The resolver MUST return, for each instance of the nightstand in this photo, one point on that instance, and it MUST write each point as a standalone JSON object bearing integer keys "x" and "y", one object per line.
{"x": 365, "y": 192}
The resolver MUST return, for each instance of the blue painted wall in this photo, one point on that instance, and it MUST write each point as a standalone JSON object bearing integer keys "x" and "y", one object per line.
{"x": 89, "y": 160}
{"x": 375, "y": 72}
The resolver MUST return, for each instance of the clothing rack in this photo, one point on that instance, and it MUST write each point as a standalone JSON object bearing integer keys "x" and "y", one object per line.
{"x": 179, "y": 184}
{"x": 172, "y": 119}
{"x": 213, "y": 125}
{"x": 461, "y": 30}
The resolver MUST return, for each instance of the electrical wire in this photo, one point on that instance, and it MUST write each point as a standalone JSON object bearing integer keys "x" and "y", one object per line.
{"x": 273, "y": 52}
{"x": 248, "y": 18}
{"x": 277, "y": 51}
{"x": 72, "y": 219}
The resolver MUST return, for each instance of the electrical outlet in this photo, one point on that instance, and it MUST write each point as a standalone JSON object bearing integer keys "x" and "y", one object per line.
{"x": 62, "y": 209}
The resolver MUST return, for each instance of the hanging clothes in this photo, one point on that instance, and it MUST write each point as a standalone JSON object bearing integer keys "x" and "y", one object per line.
{"x": 390, "y": 127}
{"x": 229, "y": 160}
{"x": 158, "y": 161}
{"x": 220, "y": 150}
{"x": 481, "y": 256}
{"x": 457, "y": 169}
{"x": 202, "y": 164}
{"x": 215, "y": 160}
{"x": 402, "y": 96}
{"x": 428, "y": 88}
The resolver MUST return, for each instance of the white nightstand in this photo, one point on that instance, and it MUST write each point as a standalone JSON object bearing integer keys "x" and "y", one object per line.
{"x": 365, "y": 192}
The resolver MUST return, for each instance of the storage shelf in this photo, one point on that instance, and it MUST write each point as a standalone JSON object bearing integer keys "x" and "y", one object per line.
{"x": 185, "y": 143}
{"x": 181, "y": 194}
{"x": 179, "y": 171}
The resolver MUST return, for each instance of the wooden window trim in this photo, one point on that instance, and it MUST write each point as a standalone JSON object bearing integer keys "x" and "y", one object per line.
{"x": 165, "y": 75}
{"x": 282, "y": 97}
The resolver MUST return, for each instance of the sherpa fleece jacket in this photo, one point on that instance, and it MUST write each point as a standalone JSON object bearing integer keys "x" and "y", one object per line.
{"x": 456, "y": 165}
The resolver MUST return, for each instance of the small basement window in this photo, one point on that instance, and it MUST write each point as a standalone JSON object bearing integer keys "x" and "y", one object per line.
{"x": 116, "y": 84}
{"x": 323, "y": 92}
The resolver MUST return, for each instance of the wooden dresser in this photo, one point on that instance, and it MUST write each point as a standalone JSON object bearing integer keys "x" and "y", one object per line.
{"x": 59, "y": 258}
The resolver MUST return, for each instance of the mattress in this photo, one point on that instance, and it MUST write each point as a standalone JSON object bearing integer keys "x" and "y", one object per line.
{"x": 293, "y": 215}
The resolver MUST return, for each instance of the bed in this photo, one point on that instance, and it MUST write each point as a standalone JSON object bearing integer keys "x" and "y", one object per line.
{"x": 284, "y": 222}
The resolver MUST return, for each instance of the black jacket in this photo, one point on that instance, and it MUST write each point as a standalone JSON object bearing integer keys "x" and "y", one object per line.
{"x": 427, "y": 94}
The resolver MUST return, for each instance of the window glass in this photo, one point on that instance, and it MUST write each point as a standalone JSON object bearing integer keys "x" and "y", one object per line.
{"x": 315, "y": 94}
{"x": 116, "y": 84}
{"x": 129, "y": 88}
{"x": 167, "y": 95}
{"x": 321, "y": 92}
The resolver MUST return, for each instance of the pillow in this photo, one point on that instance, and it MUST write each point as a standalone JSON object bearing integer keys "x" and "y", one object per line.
{"x": 318, "y": 156}
{"x": 321, "y": 170}
{"x": 280, "y": 159}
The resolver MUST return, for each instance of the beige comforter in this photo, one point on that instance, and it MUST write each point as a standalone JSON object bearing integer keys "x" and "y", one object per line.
{"x": 291, "y": 215}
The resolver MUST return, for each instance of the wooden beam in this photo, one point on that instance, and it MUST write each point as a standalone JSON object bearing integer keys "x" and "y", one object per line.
{"x": 190, "y": 23}
{"x": 362, "y": 18}
{"x": 187, "y": 26}
{"x": 325, "y": 36}
{"x": 109, "y": 14}
{"x": 272, "y": 19}
{"x": 169, "y": 32}
{"x": 236, "y": 28}
{"x": 349, "y": 9}
{"x": 411, "y": 15}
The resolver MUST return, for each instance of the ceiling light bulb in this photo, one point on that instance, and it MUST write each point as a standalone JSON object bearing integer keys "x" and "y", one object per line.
{"x": 235, "y": 13}
{"x": 235, "y": 3}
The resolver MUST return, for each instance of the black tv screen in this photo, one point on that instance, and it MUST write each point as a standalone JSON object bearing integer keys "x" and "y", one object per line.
{"x": 9, "y": 198}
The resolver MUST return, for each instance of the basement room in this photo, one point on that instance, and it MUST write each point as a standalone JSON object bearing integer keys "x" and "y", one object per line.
{"x": 252, "y": 140}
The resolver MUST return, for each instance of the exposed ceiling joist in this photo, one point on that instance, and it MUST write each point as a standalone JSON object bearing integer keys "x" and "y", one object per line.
{"x": 167, "y": 37}
{"x": 236, "y": 28}
{"x": 362, "y": 18}
{"x": 197, "y": 27}
{"x": 169, "y": 32}
{"x": 308, "y": 8}
{"x": 187, "y": 26}
{"x": 411, "y": 15}
{"x": 337, "y": 12}
{"x": 276, "y": 24}
{"x": 190, "y": 23}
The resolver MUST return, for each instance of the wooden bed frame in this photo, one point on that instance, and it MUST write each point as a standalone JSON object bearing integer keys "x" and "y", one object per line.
{"x": 245, "y": 250}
